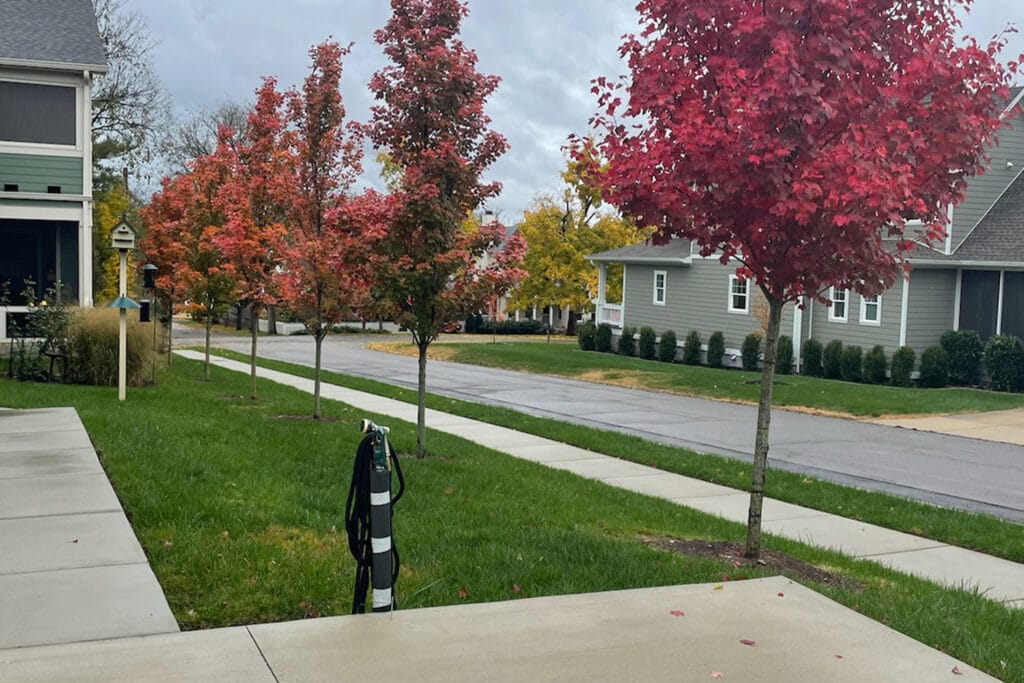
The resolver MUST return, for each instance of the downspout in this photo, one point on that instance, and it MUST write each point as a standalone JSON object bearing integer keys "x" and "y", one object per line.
{"x": 999, "y": 310}
{"x": 904, "y": 311}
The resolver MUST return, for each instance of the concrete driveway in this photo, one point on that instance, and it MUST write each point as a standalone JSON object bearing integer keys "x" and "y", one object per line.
{"x": 948, "y": 470}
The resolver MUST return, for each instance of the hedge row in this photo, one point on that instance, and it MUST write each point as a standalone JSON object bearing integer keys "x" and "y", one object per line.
{"x": 646, "y": 344}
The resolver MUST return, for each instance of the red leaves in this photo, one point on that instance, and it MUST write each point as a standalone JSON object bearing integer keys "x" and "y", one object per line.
{"x": 677, "y": 613}
{"x": 744, "y": 145}
{"x": 463, "y": 593}
{"x": 957, "y": 671}
{"x": 748, "y": 643}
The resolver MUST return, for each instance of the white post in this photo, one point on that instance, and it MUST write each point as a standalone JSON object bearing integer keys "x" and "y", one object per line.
{"x": 122, "y": 329}
{"x": 602, "y": 287}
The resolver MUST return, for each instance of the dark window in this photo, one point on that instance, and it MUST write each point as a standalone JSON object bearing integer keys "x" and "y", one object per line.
{"x": 979, "y": 299}
{"x": 37, "y": 113}
{"x": 53, "y": 189}
{"x": 1013, "y": 304}
{"x": 41, "y": 253}
{"x": 10, "y": 187}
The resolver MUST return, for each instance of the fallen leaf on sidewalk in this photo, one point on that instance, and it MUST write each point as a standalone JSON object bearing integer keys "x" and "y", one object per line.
{"x": 718, "y": 587}
{"x": 782, "y": 595}
{"x": 677, "y": 613}
{"x": 748, "y": 643}
{"x": 838, "y": 656}
{"x": 717, "y": 674}
{"x": 957, "y": 671}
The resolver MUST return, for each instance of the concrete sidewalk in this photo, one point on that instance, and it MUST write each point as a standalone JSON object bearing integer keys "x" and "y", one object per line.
{"x": 998, "y": 579}
{"x": 764, "y": 630}
{"x": 71, "y": 568}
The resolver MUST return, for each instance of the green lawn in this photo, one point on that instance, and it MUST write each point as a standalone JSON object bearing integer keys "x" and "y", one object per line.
{"x": 239, "y": 503}
{"x": 567, "y": 360}
{"x": 984, "y": 533}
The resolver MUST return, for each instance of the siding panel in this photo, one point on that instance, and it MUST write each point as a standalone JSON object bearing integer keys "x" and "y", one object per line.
{"x": 34, "y": 173}
{"x": 853, "y": 331}
{"x": 930, "y": 309}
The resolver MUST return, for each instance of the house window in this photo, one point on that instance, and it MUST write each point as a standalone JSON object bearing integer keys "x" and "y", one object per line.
{"x": 871, "y": 310}
{"x": 660, "y": 278}
{"x": 37, "y": 113}
{"x": 839, "y": 297}
{"x": 739, "y": 295}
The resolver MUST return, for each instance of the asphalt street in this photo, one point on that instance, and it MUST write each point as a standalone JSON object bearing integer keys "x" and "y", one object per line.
{"x": 953, "y": 471}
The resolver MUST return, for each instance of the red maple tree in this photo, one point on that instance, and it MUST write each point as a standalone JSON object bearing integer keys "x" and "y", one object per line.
{"x": 794, "y": 139}
{"x": 432, "y": 125}
{"x": 251, "y": 239}
{"x": 327, "y": 269}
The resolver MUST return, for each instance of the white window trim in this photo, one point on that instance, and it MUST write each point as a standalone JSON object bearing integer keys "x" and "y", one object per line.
{"x": 730, "y": 308}
{"x": 664, "y": 287}
{"x": 832, "y": 317}
{"x": 864, "y": 311}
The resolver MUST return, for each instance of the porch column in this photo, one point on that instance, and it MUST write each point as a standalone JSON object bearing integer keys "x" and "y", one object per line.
{"x": 904, "y": 311}
{"x": 602, "y": 286}
{"x": 798, "y": 332}
{"x": 956, "y": 298}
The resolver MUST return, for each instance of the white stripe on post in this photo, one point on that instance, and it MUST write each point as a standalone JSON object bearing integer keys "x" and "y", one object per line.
{"x": 381, "y": 545}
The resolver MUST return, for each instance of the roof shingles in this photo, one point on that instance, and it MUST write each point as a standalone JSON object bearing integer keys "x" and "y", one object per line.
{"x": 51, "y": 32}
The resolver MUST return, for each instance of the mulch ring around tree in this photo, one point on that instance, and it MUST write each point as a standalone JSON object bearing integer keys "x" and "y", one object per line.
{"x": 777, "y": 561}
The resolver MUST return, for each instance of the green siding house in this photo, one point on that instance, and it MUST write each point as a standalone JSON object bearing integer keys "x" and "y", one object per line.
{"x": 50, "y": 51}
{"x": 974, "y": 280}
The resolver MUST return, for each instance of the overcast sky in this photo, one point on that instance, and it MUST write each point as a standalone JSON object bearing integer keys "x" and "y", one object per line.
{"x": 545, "y": 51}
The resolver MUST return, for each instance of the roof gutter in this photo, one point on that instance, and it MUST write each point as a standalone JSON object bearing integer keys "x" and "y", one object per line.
{"x": 52, "y": 66}
{"x": 644, "y": 260}
{"x": 985, "y": 265}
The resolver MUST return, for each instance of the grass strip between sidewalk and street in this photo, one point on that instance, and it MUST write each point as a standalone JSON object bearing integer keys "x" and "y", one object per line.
{"x": 792, "y": 391}
{"x": 239, "y": 506}
{"x": 984, "y": 533}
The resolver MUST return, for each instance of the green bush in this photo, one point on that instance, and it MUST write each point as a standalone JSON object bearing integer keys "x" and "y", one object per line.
{"x": 934, "y": 368}
{"x": 902, "y": 366}
{"x": 586, "y": 336}
{"x": 691, "y": 348}
{"x": 92, "y": 349}
{"x": 474, "y": 322}
{"x": 1004, "y": 362}
{"x": 851, "y": 364}
{"x": 667, "y": 347}
{"x": 716, "y": 349}
{"x": 875, "y": 365}
{"x": 751, "y": 351}
{"x": 963, "y": 349}
{"x": 511, "y": 327}
{"x": 648, "y": 343}
{"x": 832, "y": 360}
{"x": 784, "y": 356}
{"x": 627, "y": 344}
{"x": 42, "y": 330}
{"x": 603, "y": 338}
{"x": 811, "y": 358}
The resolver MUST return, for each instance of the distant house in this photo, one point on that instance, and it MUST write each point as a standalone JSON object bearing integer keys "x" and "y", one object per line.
{"x": 974, "y": 281}
{"x": 50, "y": 50}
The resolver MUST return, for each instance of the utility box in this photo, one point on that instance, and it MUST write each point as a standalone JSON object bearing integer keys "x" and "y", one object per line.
{"x": 145, "y": 311}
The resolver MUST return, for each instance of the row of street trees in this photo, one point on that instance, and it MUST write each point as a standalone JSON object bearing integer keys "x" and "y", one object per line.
{"x": 271, "y": 214}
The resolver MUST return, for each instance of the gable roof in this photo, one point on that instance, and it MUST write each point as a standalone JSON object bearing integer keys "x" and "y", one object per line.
{"x": 999, "y": 236}
{"x": 51, "y": 34}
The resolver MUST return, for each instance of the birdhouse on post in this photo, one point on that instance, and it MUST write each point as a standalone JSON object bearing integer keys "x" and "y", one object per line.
{"x": 122, "y": 237}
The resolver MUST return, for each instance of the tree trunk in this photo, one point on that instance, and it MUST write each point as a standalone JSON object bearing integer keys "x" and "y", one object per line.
{"x": 271, "y": 320}
{"x": 421, "y": 406}
{"x": 764, "y": 420}
{"x": 254, "y": 325}
{"x": 238, "y": 317}
{"x": 570, "y": 326}
{"x": 170, "y": 330}
{"x": 209, "y": 325}
{"x": 316, "y": 376}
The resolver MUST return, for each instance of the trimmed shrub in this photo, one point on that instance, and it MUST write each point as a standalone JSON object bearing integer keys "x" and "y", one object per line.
{"x": 832, "y": 360}
{"x": 627, "y": 344}
{"x": 586, "y": 336}
{"x": 1004, "y": 362}
{"x": 691, "y": 348}
{"x": 92, "y": 349}
{"x": 474, "y": 322}
{"x": 963, "y": 349}
{"x": 902, "y": 366}
{"x": 851, "y": 365}
{"x": 511, "y": 327}
{"x": 934, "y": 368}
{"x": 751, "y": 351}
{"x": 875, "y": 365}
{"x": 716, "y": 349}
{"x": 784, "y": 356}
{"x": 667, "y": 347}
{"x": 603, "y": 338}
{"x": 811, "y": 358}
{"x": 648, "y": 343}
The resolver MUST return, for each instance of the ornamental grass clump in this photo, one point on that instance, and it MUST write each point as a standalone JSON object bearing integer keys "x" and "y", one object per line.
{"x": 92, "y": 349}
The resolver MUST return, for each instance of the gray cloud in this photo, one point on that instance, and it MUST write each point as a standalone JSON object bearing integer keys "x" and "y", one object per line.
{"x": 546, "y": 51}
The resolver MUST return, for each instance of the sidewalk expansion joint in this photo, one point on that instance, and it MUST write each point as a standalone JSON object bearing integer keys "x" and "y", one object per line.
{"x": 914, "y": 550}
{"x": 61, "y": 514}
{"x": 30, "y": 572}
{"x": 262, "y": 656}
